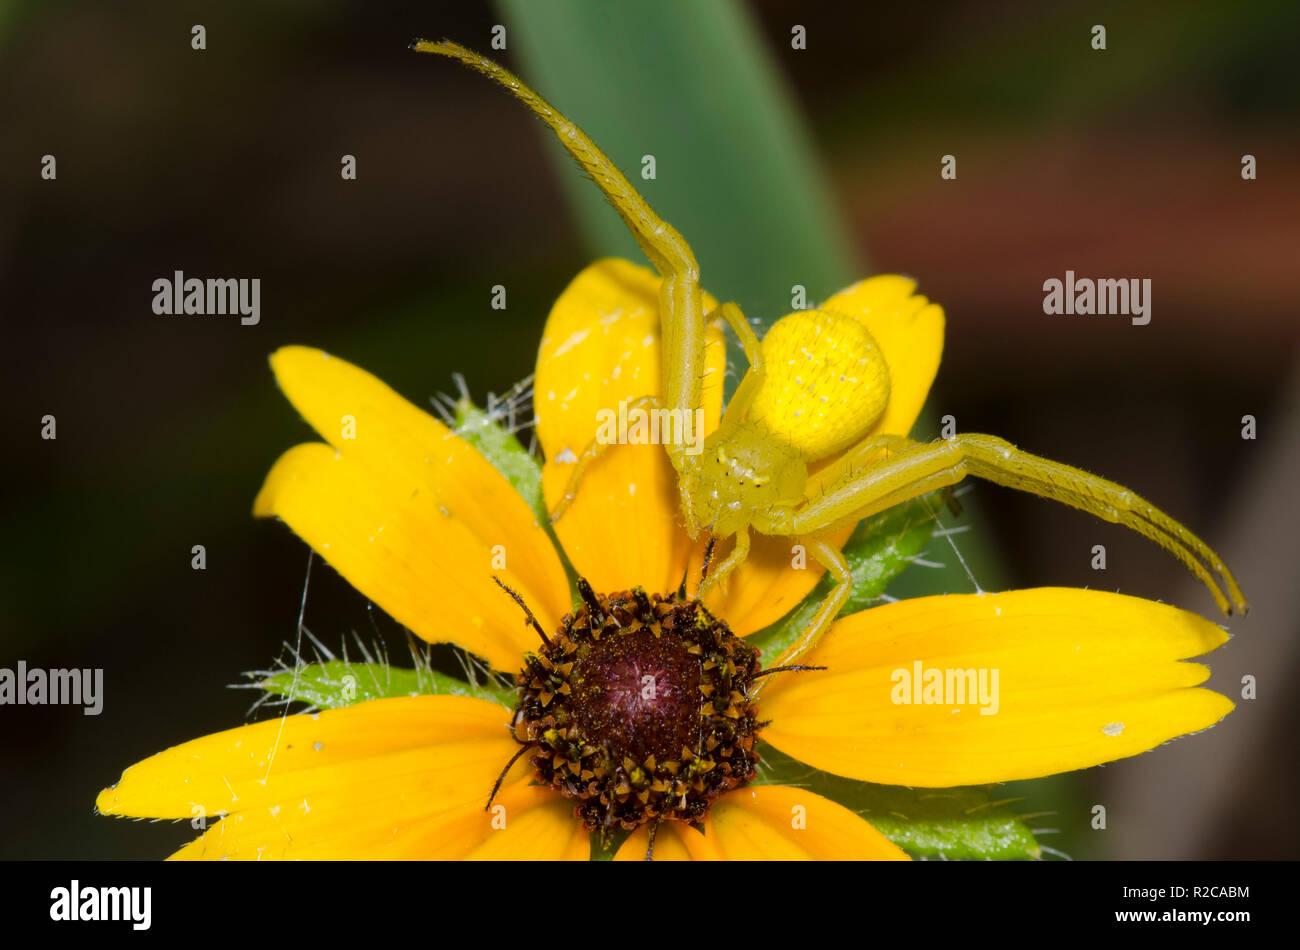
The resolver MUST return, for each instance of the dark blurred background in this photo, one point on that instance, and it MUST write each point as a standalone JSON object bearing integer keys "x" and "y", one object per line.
{"x": 225, "y": 162}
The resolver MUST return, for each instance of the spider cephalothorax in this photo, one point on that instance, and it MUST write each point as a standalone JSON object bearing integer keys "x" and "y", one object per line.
{"x": 637, "y": 708}
{"x": 744, "y": 467}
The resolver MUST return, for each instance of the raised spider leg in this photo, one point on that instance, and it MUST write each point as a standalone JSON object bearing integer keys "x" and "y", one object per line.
{"x": 733, "y": 560}
{"x": 835, "y": 563}
{"x": 926, "y": 467}
{"x": 594, "y": 450}
{"x": 681, "y": 306}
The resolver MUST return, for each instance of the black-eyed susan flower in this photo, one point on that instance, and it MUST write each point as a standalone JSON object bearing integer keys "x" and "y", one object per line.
{"x": 637, "y": 709}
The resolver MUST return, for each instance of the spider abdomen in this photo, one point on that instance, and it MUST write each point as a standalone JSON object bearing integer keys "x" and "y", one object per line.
{"x": 826, "y": 385}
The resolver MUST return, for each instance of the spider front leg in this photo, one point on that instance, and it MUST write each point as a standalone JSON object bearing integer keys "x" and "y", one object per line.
{"x": 923, "y": 468}
{"x": 718, "y": 576}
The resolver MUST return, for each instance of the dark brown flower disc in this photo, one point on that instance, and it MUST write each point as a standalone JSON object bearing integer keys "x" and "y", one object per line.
{"x": 638, "y": 709}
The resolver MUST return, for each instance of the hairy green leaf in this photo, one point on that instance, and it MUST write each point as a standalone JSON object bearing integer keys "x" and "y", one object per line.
{"x": 483, "y": 430}
{"x": 331, "y": 684}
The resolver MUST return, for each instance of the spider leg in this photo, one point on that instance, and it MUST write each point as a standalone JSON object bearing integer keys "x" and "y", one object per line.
{"x": 687, "y": 483}
{"x": 718, "y": 576}
{"x": 688, "y": 465}
{"x": 681, "y": 304}
{"x": 757, "y": 372}
{"x": 867, "y": 452}
{"x": 834, "y": 562}
{"x": 930, "y": 466}
{"x": 594, "y": 450}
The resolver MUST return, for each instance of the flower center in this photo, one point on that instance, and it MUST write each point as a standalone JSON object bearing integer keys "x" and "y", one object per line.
{"x": 641, "y": 691}
{"x": 637, "y": 709}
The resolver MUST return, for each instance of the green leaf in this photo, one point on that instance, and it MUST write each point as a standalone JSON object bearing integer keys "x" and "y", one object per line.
{"x": 954, "y": 823}
{"x": 331, "y": 684}
{"x": 879, "y": 549}
{"x": 483, "y": 430}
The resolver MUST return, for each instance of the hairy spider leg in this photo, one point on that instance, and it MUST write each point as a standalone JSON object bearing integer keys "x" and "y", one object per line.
{"x": 867, "y": 452}
{"x": 930, "y": 466}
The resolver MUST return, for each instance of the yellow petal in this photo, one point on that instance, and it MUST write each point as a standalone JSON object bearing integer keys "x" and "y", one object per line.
{"x": 670, "y": 843}
{"x": 526, "y": 822}
{"x": 769, "y": 822}
{"x": 623, "y": 527}
{"x": 413, "y": 516}
{"x": 601, "y": 348}
{"x": 372, "y": 780}
{"x": 1083, "y": 677}
{"x": 909, "y": 331}
{"x": 535, "y": 824}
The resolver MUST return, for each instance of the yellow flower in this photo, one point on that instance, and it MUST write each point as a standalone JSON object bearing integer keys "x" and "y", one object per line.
{"x": 418, "y": 521}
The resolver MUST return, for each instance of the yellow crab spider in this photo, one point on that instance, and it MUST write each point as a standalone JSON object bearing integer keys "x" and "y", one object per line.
{"x": 754, "y": 469}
